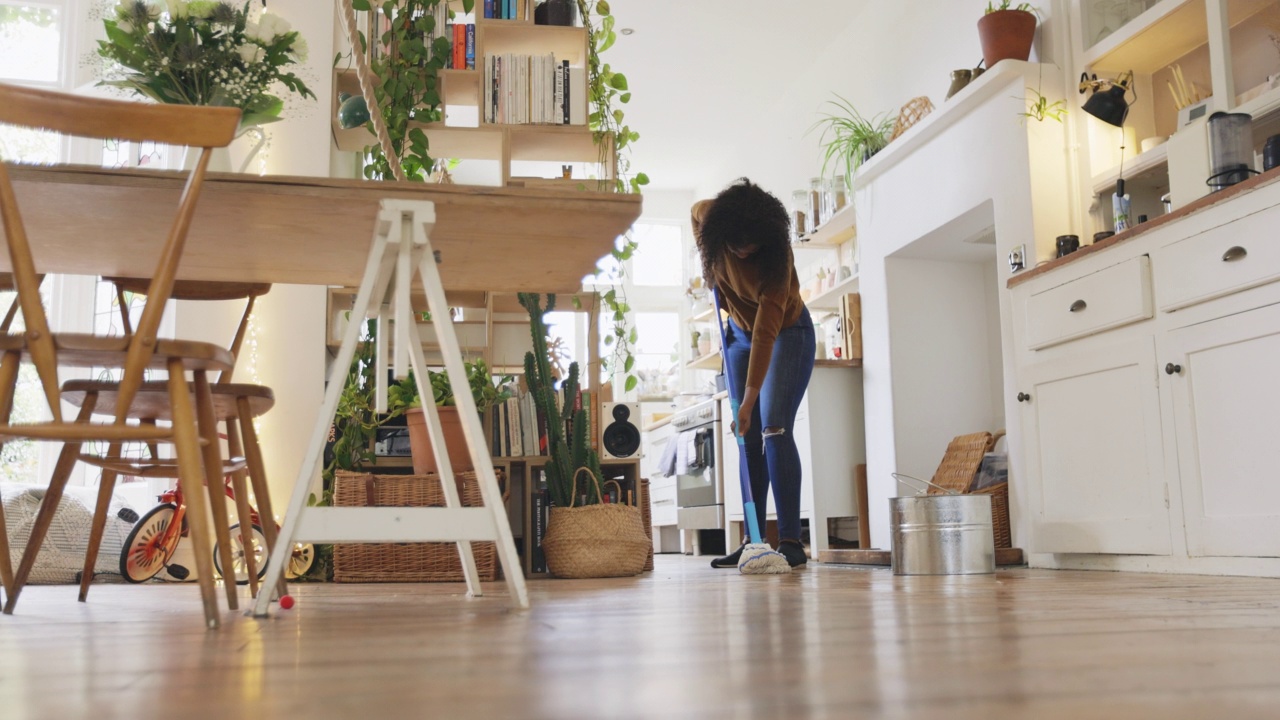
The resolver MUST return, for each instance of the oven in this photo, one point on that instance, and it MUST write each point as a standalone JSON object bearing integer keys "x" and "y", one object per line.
{"x": 699, "y": 481}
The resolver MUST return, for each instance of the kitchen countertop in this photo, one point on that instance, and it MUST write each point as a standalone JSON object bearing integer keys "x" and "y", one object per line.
{"x": 1253, "y": 183}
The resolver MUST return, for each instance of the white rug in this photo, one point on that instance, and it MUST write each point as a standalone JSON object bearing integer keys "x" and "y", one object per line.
{"x": 61, "y": 556}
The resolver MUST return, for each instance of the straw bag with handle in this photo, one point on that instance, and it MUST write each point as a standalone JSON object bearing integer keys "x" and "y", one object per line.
{"x": 595, "y": 541}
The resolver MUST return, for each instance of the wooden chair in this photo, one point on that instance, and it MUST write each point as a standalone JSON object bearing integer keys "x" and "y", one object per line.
{"x": 234, "y": 404}
{"x": 203, "y": 127}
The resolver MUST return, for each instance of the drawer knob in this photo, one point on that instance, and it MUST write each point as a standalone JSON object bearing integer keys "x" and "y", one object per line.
{"x": 1172, "y": 369}
{"x": 1023, "y": 397}
{"x": 1235, "y": 252}
{"x": 1078, "y": 305}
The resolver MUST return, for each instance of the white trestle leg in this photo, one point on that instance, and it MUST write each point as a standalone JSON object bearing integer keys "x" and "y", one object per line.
{"x": 401, "y": 245}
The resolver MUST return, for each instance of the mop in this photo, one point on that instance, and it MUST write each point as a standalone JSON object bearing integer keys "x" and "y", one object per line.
{"x": 757, "y": 557}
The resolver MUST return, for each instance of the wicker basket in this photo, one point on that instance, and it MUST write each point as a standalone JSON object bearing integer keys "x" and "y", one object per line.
{"x": 958, "y": 470}
{"x": 596, "y": 541}
{"x": 999, "y": 513}
{"x": 406, "y": 562}
{"x": 646, "y": 519}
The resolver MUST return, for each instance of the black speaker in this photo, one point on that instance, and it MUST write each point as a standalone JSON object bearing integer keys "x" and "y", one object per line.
{"x": 620, "y": 435}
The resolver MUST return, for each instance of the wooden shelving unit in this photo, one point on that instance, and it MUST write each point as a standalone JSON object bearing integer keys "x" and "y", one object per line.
{"x": 503, "y": 143}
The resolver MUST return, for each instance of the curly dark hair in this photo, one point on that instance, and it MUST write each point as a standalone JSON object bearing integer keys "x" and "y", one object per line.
{"x": 743, "y": 215}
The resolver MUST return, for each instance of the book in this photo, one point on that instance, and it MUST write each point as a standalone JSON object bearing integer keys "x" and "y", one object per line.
{"x": 564, "y": 94}
{"x": 541, "y": 512}
{"x": 471, "y": 47}
{"x": 459, "y": 47}
{"x": 488, "y": 9}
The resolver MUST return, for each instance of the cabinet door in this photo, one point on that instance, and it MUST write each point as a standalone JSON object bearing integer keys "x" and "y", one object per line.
{"x": 1226, "y": 406}
{"x": 1094, "y": 452}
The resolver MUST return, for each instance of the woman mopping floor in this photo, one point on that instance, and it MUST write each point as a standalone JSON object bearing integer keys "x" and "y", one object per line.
{"x": 743, "y": 237}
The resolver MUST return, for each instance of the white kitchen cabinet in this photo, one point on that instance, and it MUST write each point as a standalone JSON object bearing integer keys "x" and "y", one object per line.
{"x": 1157, "y": 438}
{"x": 1226, "y": 408}
{"x": 1092, "y": 444}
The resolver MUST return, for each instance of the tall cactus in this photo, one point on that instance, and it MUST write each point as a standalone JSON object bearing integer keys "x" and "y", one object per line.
{"x": 565, "y": 455}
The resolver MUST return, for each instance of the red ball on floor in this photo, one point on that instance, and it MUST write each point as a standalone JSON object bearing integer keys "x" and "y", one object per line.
{"x": 286, "y": 602}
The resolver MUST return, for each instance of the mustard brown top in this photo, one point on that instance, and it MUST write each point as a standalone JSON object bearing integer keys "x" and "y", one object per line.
{"x": 761, "y": 301}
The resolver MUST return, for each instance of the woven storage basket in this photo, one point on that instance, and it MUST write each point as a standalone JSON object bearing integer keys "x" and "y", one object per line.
{"x": 958, "y": 470}
{"x": 999, "y": 513}
{"x": 646, "y": 519}
{"x": 406, "y": 562}
{"x": 596, "y": 541}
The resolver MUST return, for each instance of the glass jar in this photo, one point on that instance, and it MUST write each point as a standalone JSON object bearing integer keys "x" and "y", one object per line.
{"x": 839, "y": 189}
{"x": 799, "y": 215}
{"x": 817, "y": 206}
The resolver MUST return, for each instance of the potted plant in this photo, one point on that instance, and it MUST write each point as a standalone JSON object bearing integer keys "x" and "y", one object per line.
{"x": 204, "y": 52}
{"x": 850, "y": 139}
{"x": 1007, "y": 31}
{"x": 403, "y": 398}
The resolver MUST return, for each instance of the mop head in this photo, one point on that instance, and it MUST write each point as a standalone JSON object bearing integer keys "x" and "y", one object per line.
{"x": 760, "y": 559}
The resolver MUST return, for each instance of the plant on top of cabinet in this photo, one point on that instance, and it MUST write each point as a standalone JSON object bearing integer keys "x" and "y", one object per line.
{"x": 1006, "y": 31}
{"x": 850, "y": 139}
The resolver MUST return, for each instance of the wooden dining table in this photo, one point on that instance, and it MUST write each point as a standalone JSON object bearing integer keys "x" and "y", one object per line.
{"x": 312, "y": 231}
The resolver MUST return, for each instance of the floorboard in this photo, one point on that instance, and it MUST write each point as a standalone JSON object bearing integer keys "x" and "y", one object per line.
{"x": 684, "y": 641}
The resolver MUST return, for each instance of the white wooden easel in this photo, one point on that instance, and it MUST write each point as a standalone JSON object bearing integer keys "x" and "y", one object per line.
{"x": 401, "y": 244}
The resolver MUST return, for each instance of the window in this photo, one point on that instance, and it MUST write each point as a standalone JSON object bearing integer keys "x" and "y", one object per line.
{"x": 32, "y": 42}
{"x": 657, "y": 260}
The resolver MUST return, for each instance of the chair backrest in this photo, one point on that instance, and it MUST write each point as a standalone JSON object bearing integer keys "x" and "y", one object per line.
{"x": 204, "y": 127}
{"x": 197, "y": 290}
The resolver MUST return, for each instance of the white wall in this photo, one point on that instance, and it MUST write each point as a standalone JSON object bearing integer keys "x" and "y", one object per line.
{"x": 942, "y": 357}
{"x": 985, "y": 168}
{"x": 895, "y": 51}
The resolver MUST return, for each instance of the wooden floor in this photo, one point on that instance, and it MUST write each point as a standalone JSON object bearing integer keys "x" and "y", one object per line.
{"x": 682, "y": 642}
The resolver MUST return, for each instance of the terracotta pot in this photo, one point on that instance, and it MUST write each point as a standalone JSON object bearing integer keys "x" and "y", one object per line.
{"x": 1006, "y": 35}
{"x": 424, "y": 461}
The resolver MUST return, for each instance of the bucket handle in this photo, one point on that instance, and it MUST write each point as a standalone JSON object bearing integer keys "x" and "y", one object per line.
{"x": 901, "y": 476}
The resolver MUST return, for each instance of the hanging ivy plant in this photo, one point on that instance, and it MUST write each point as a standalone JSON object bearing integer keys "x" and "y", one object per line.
{"x": 608, "y": 91}
{"x": 413, "y": 52}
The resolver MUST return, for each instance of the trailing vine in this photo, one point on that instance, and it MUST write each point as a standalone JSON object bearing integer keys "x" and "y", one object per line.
{"x": 408, "y": 87}
{"x": 614, "y": 139}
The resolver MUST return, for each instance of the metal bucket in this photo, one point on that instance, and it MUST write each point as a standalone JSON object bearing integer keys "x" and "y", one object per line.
{"x": 942, "y": 535}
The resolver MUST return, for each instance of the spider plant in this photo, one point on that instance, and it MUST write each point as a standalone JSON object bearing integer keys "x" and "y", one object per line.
{"x": 850, "y": 139}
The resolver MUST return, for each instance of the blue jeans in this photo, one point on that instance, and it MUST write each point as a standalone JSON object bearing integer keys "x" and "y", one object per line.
{"x": 774, "y": 460}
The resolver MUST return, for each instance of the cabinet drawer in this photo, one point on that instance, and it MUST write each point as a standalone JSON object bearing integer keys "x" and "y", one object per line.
{"x": 1227, "y": 259}
{"x": 1110, "y": 298}
{"x": 662, "y": 503}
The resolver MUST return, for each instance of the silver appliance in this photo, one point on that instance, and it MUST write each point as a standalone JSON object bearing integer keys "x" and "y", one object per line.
{"x": 700, "y": 489}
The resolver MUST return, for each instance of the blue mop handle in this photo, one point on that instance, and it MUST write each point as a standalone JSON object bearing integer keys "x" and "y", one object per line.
{"x": 744, "y": 477}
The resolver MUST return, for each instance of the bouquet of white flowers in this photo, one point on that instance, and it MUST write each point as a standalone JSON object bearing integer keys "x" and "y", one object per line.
{"x": 204, "y": 52}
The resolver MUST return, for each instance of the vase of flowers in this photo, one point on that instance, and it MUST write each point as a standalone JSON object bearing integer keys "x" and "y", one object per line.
{"x": 205, "y": 52}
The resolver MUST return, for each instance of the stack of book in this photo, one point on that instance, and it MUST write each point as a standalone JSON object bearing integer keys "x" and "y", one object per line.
{"x": 518, "y": 427}
{"x": 463, "y": 38}
{"x": 533, "y": 90}
{"x": 501, "y": 9}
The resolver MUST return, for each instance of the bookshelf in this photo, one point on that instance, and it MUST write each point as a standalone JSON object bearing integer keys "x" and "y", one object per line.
{"x": 466, "y": 134}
